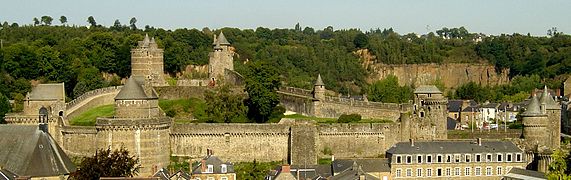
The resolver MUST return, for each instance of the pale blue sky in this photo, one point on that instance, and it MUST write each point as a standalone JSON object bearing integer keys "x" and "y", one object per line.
{"x": 486, "y": 16}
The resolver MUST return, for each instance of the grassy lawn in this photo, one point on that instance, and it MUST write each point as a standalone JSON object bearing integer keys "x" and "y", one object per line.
{"x": 334, "y": 120}
{"x": 184, "y": 110}
{"x": 88, "y": 118}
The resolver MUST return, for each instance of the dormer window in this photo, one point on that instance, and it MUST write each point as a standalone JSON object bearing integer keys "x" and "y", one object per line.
{"x": 223, "y": 168}
{"x": 210, "y": 169}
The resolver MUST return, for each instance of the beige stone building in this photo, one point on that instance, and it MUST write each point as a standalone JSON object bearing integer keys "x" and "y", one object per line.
{"x": 147, "y": 62}
{"x": 454, "y": 159}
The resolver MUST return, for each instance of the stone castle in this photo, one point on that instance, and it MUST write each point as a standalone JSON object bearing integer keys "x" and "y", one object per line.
{"x": 140, "y": 125}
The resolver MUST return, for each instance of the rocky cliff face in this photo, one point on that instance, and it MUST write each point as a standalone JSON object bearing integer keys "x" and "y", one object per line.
{"x": 452, "y": 75}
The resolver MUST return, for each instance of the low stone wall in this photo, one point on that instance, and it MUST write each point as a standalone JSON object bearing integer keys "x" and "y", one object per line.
{"x": 231, "y": 142}
{"x": 334, "y": 110}
{"x": 181, "y": 92}
{"x": 192, "y": 82}
{"x": 78, "y": 140}
{"x": 356, "y": 140}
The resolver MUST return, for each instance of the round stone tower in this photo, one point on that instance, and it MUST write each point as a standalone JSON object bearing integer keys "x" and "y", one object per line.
{"x": 319, "y": 89}
{"x": 220, "y": 59}
{"x": 147, "y": 61}
{"x": 137, "y": 126}
{"x": 535, "y": 125}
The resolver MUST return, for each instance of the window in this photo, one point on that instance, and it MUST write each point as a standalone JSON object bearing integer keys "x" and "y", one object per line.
{"x": 398, "y": 173}
{"x": 448, "y": 171}
{"x": 419, "y": 159}
{"x": 518, "y": 157}
{"x": 456, "y": 171}
{"x": 408, "y": 159}
{"x": 419, "y": 172}
{"x": 488, "y": 157}
{"x": 210, "y": 169}
{"x": 223, "y": 168}
{"x": 457, "y": 158}
{"x": 509, "y": 157}
{"x": 428, "y": 172}
{"x": 478, "y": 158}
{"x": 439, "y": 172}
{"x": 439, "y": 158}
{"x": 428, "y": 158}
{"x": 399, "y": 159}
{"x": 488, "y": 171}
{"x": 408, "y": 172}
{"x": 448, "y": 158}
{"x": 467, "y": 171}
{"x": 477, "y": 171}
{"x": 467, "y": 158}
{"x": 499, "y": 170}
{"x": 500, "y": 158}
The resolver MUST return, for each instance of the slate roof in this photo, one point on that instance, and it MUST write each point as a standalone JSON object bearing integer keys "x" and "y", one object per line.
{"x": 471, "y": 109}
{"x": 222, "y": 39}
{"x": 353, "y": 173}
{"x": 132, "y": 90}
{"x": 532, "y": 108}
{"x": 48, "y": 92}
{"x": 427, "y": 89}
{"x": 180, "y": 175}
{"x": 162, "y": 174}
{"x": 490, "y": 105}
{"x": 450, "y": 147}
{"x": 455, "y": 105}
{"x": 319, "y": 82}
{"x": 32, "y": 152}
{"x": 450, "y": 123}
{"x": 216, "y": 163}
{"x": 547, "y": 99}
{"x": 368, "y": 165}
{"x": 518, "y": 173}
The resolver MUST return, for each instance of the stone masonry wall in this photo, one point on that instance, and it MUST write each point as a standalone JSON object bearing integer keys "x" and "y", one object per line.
{"x": 78, "y": 140}
{"x": 231, "y": 142}
{"x": 180, "y": 92}
{"x": 91, "y": 99}
{"x": 335, "y": 109}
{"x": 356, "y": 140}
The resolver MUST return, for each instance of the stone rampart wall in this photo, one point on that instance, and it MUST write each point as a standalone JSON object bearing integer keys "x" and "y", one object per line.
{"x": 231, "y": 142}
{"x": 296, "y": 103}
{"x": 181, "y": 92}
{"x": 90, "y": 100}
{"x": 192, "y": 82}
{"x": 334, "y": 110}
{"x": 79, "y": 141}
{"x": 356, "y": 140}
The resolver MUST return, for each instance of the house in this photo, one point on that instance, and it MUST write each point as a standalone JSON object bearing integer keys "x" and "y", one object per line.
{"x": 508, "y": 111}
{"x": 30, "y": 151}
{"x": 455, "y": 109}
{"x": 378, "y": 168}
{"x": 470, "y": 115}
{"x": 454, "y": 159}
{"x": 212, "y": 168}
{"x": 355, "y": 172}
{"x": 489, "y": 111}
{"x": 302, "y": 172}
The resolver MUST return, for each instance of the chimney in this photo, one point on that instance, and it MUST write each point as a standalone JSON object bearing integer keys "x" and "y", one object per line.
{"x": 203, "y": 165}
{"x": 332, "y": 158}
{"x": 285, "y": 168}
{"x": 43, "y": 127}
{"x": 479, "y": 140}
{"x": 411, "y": 142}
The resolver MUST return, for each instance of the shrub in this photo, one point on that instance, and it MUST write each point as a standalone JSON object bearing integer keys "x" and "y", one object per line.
{"x": 349, "y": 118}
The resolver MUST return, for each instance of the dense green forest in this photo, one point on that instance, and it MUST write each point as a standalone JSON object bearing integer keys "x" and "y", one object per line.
{"x": 78, "y": 55}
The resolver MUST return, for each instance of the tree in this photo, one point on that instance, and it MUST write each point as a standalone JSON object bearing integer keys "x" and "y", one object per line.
{"x": 361, "y": 40}
{"x": 91, "y": 21}
{"x": 132, "y": 23}
{"x": 107, "y": 163}
{"x": 224, "y": 106}
{"x": 558, "y": 166}
{"x": 262, "y": 82}
{"x": 389, "y": 91}
{"x": 36, "y": 21}
{"x": 47, "y": 20}
{"x": 63, "y": 20}
{"x": 4, "y": 107}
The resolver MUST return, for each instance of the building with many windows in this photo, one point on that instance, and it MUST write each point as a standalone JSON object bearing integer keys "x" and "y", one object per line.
{"x": 454, "y": 159}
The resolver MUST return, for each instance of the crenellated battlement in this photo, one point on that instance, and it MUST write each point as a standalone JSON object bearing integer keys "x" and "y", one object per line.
{"x": 130, "y": 124}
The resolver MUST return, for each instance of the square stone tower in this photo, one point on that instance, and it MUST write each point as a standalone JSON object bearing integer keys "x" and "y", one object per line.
{"x": 147, "y": 61}
{"x": 220, "y": 59}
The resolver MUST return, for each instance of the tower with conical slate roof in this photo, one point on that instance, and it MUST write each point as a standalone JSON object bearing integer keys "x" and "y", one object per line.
{"x": 553, "y": 111}
{"x": 535, "y": 125}
{"x": 147, "y": 61}
{"x": 137, "y": 126}
{"x": 220, "y": 59}
{"x": 319, "y": 89}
